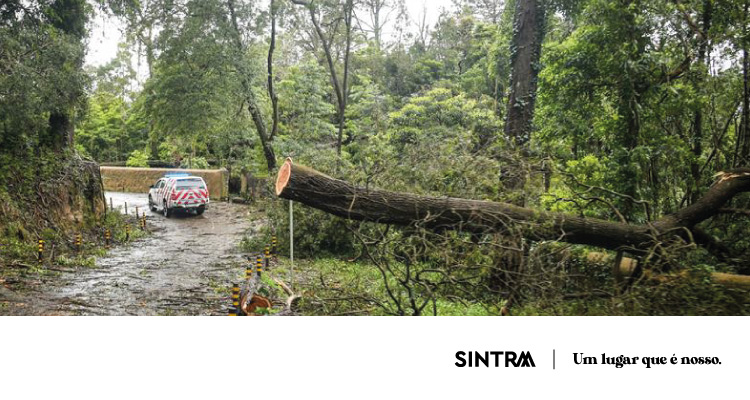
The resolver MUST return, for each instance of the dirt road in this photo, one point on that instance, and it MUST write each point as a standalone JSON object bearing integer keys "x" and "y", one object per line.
{"x": 183, "y": 268}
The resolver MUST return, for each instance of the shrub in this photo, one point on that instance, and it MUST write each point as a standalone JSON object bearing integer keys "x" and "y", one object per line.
{"x": 137, "y": 158}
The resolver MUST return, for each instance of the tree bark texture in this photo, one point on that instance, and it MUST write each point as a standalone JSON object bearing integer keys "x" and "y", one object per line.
{"x": 310, "y": 187}
{"x": 744, "y": 135}
{"x": 525, "y": 50}
{"x": 61, "y": 131}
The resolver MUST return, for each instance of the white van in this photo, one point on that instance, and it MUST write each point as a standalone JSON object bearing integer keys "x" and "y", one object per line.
{"x": 178, "y": 191}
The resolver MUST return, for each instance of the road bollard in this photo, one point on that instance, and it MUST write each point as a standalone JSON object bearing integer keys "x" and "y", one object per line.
{"x": 126, "y": 208}
{"x": 40, "y": 247}
{"x": 273, "y": 245}
{"x": 79, "y": 242}
{"x": 136, "y": 212}
{"x": 127, "y": 232}
{"x": 143, "y": 222}
{"x": 259, "y": 265}
{"x": 111, "y": 206}
{"x": 234, "y": 310}
{"x": 107, "y": 237}
{"x": 267, "y": 253}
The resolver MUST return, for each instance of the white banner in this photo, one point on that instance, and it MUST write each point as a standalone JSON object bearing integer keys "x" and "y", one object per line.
{"x": 374, "y": 357}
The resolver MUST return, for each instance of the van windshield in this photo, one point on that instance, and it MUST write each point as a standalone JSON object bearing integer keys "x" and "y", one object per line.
{"x": 194, "y": 183}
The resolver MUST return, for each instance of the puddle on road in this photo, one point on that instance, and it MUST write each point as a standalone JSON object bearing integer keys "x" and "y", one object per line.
{"x": 183, "y": 268}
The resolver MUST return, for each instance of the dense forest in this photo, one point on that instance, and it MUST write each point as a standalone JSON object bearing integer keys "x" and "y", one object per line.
{"x": 561, "y": 114}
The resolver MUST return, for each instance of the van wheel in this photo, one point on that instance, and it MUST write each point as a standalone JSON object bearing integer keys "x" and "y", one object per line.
{"x": 199, "y": 211}
{"x": 167, "y": 212}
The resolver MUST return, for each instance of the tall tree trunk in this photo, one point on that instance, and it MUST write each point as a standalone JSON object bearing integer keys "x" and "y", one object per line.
{"x": 698, "y": 86}
{"x": 69, "y": 17}
{"x": 154, "y": 138}
{"x": 743, "y": 158}
{"x": 149, "y": 54}
{"x": 271, "y": 92}
{"x": 376, "y": 9}
{"x": 744, "y": 128}
{"x": 260, "y": 125}
{"x": 61, "y": 131}
{"x": 525, "y": 50}
{"x": 252, "y": 103}
{"x": 525, "y": 53}
{"x": 345, "y": 88}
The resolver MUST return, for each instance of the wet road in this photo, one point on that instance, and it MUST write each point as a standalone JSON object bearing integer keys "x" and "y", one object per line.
{"x": 183, "y": 268}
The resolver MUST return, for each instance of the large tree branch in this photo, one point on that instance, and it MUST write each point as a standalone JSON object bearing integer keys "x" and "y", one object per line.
{"x": 310, "y": 187}
{"x": 326, "y": 48}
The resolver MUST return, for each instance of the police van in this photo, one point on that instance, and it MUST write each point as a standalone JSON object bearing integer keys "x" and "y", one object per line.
{"x": 178, "y": 192}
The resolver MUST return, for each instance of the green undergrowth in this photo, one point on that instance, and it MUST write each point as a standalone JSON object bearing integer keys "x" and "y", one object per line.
{"x": 683, "y": 297}
{"x": 331, "y": 286}
{"x": 19, "y": 251}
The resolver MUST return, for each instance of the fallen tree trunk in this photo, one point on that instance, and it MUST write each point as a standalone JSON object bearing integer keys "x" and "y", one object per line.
{"x": 310, "y": 187}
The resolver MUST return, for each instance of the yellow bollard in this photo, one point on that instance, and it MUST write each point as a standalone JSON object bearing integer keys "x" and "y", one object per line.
{"x": 259, "y": 265}
{"x": 40, "y": 247}
{"x": 267, "y": 253}
{"x": 234, "y": 310}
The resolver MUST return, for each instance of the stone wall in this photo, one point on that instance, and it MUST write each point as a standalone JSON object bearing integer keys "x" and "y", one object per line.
{"x": 138, "y": 180}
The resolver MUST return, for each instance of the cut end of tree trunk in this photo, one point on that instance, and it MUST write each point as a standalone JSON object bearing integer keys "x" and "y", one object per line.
{"x": 283, "y": 177}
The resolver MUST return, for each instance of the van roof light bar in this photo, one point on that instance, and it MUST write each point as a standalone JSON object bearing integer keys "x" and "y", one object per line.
{"x": 176, "y": 174}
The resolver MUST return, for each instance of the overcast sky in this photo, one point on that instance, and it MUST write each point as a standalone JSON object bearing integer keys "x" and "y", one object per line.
{"x": 106, "y": 32}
